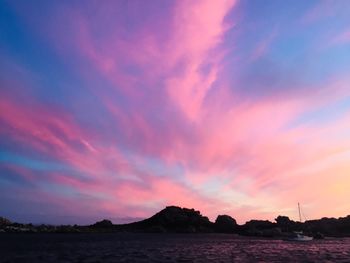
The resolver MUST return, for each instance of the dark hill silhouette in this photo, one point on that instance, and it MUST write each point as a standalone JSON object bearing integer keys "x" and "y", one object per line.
{"x": 175, "y": 219}
{"x": 172, "y": 219}
{"x": 225, "y": 224}
{"x": 104, "y": 224}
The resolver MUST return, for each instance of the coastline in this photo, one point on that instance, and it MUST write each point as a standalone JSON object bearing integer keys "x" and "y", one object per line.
{"x": 174, "y": 219}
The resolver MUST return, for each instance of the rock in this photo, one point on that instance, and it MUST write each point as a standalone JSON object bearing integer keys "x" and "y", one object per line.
{"x": 256, "y": 227}
{"x": 177, "y": 219}
{"x": 283, "y": 221}
{"x": 259, "y": 224}
{"x": 253, "y": 232}
{"x": 225, "y": 224}
{"x": 173, "y": 219}
{"x": 318, "y": 235}
{"x": 272, "y": 232}
{"x": 156, "y": 229}
{"x": 105, "y": 223}
{"x": 327, "y": 226}
{"x": 66, "y": 229}
{"x": 4, "y": 221}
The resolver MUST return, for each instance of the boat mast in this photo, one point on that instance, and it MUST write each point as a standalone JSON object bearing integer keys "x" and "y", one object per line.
{"x": 299, "y": 212}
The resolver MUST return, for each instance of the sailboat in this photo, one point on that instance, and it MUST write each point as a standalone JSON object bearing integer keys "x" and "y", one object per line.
{"x": 298, "y": 235}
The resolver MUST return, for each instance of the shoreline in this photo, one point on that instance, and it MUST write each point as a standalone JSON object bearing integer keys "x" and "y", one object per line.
{"x": 175, "y": 219}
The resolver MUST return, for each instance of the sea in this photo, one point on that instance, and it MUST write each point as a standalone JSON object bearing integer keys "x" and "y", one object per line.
{"x": 129, "y": 247}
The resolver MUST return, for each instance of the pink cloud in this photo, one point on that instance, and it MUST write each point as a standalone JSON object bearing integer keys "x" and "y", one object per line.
{"x": 262, "y": 47}
{"x": 51, "y": 128}
{"x": 200, "y": 29}
{"x": 342, "y": 38}
{"x": 324, "y": 9}
{"x": 198, "y": 26}
{"x": 246, "y": 146}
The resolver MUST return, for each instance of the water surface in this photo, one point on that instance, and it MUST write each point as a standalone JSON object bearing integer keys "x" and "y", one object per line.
{"x": 24, "y": 247}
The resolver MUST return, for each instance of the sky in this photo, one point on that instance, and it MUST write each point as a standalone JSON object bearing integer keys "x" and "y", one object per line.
{"x": 116, "y": 109}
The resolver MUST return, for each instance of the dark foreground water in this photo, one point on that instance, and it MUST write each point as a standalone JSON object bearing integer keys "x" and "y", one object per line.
{"x": 25, "y": 247}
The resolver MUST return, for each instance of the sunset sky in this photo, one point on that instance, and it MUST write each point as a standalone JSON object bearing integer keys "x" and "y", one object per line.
{"x": 116, "y": 109}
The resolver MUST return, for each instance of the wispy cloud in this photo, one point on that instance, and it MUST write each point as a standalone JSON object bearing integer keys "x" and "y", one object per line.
{"x": 124, "y": 115}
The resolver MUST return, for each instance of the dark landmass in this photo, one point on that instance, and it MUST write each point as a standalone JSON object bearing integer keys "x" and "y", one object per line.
{"x": 175, "y": 219}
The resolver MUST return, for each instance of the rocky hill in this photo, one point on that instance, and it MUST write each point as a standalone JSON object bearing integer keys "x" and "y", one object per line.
{"x": 173, "y": 219}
